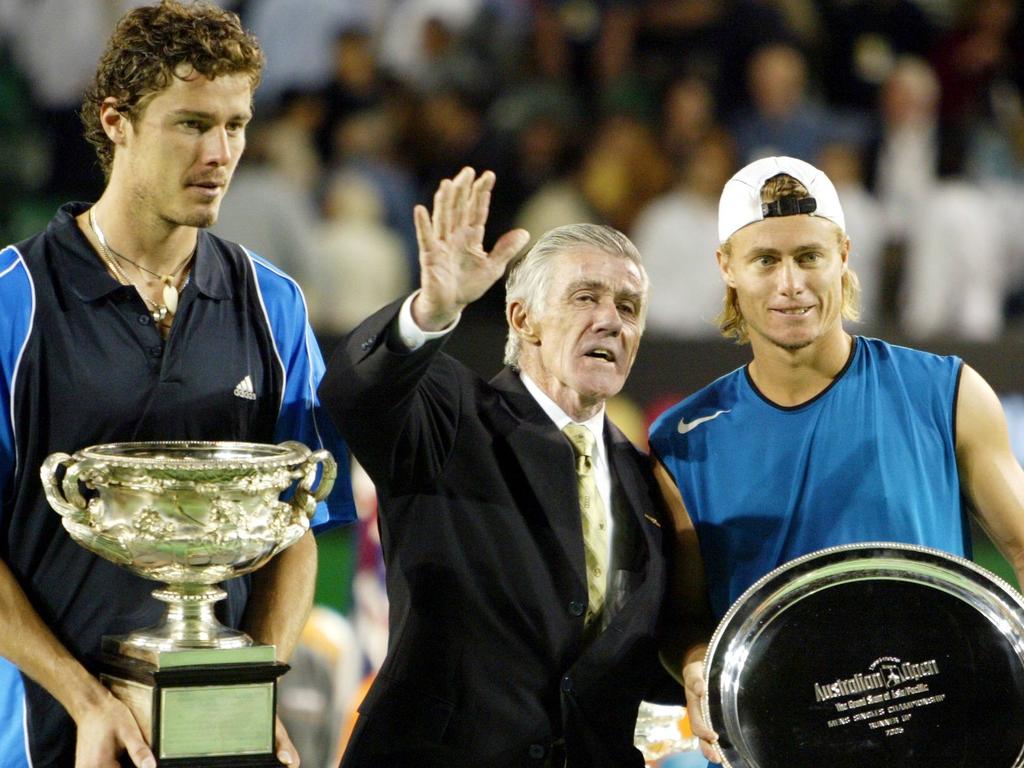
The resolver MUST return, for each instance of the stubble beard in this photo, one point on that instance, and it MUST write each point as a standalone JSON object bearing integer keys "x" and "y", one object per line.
{"x": 200, "y": 220}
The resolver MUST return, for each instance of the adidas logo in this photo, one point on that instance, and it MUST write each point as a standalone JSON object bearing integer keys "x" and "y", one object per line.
{"x": 245, "y": 390}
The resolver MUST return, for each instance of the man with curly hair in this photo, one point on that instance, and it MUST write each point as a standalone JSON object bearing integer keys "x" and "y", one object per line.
{"x": 126, "y": 320}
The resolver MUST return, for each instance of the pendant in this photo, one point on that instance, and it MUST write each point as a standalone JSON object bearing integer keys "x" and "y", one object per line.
{"x": 170, "y": 295}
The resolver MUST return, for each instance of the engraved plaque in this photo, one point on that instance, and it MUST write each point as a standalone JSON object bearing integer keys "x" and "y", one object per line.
{"x": 873, "y": 654}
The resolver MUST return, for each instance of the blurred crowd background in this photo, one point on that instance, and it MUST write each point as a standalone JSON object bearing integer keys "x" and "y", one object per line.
{"x": 628, "y": 112}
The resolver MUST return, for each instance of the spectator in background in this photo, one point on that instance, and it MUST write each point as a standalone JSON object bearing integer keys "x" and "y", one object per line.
{"x": 289, "y": 139}
{"x": 449, "y": 63}
{"x": 406, "y": 46}
{"x": 866, "y": 39}
{"x": 995, "y": 161}
{"x": 956, "y": 265}
{"x": 982, "y": 51}
{"x": 842, "y": 162}
{"x": 298, "y": 37}
{"x": 356, "y": 264}
{"x": 268, "y": 212}
{"x": 366, "y": 144}
{"x": 670, "y": 30}
{"x": 541, "y": 150}
{"x": 687, "y": 114}
{"x": 452, "y": 132}
{"x": 948, "y": 240}
{"x": 56, "y": 44}
{"x": 780, "y": 119}
{"x": 557, "y": 202}
{"x": 623, "y": 170}
{"x": 678, "y": 236}
{"x": 586, "y": 43}
{"x": 903, "y": 158}
{"x": 355, "y": 85}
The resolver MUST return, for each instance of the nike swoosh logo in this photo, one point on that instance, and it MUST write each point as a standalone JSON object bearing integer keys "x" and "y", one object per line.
{"x": 685, "y": 426}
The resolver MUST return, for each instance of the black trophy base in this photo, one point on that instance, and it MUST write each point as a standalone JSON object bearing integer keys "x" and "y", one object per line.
{"x": 201, "y": 708}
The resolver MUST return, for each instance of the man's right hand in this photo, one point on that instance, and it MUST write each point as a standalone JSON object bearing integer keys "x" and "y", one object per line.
{"x": 107, "y": 729}
{"x": 696, "y": 689}
{"x": 454, "y": 268}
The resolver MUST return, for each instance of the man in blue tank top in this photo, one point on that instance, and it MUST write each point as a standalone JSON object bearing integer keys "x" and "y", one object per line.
{"x": 823, "y": 438}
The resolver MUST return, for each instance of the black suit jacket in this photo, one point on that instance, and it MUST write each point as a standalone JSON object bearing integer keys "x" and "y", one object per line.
{"x": 487, "y": 663}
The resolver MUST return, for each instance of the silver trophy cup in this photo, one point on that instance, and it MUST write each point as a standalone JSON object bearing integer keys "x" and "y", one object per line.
{"x": 190, "y": 515}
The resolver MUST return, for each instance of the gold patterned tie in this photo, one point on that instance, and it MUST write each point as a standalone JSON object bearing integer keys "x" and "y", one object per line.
{"x": 592, "y": 513}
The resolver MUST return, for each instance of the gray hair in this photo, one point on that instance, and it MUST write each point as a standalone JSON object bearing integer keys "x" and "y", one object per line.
{"x": 529, "y": 277}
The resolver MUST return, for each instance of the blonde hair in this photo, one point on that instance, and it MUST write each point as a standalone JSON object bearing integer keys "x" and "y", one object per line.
{"x": 730, "y": 320}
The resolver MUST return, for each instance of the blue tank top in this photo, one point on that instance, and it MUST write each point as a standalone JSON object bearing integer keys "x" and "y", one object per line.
{"x": 871, "y": 458}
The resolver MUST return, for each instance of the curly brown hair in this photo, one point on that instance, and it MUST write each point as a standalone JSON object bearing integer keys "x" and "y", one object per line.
{"x": 730, "y": 321}
{"x": 148, "y": 46}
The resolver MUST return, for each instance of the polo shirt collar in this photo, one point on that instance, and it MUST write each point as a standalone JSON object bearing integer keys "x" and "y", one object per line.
{"x": 89, "y": 279}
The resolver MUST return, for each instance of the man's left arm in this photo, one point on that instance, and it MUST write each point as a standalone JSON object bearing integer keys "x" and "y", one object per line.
{"x": 990, "y": 474}
{"x": 282, "y": 597}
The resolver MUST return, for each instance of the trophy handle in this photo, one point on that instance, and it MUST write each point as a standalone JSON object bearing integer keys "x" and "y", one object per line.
{"x": 306, "y": 498}
{"x": 65, "y": 497}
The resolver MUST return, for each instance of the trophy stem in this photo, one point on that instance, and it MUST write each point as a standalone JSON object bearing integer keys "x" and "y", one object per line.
{"x": 188, "y": 622}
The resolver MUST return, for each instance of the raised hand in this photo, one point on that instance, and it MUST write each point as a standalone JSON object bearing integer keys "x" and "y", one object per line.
{"x": 454, "y": 268}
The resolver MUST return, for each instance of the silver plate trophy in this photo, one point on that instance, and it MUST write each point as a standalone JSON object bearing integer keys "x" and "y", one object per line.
{"x": 876, "y": 654}
{"x": 190, "y": 515}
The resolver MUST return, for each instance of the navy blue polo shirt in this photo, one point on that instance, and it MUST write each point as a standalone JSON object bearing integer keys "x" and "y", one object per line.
{"x": 82, "y": 363}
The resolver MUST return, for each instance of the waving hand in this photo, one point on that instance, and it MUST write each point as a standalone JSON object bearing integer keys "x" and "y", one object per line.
{"x": 455, "y": 270}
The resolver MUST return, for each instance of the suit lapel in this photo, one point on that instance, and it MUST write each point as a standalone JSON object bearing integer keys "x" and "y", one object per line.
{"x": 632, "y": 568}
{"x": 546, "y": 459}
{"x": 623, "y": 466}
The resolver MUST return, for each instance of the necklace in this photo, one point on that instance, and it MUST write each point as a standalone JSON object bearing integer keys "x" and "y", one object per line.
{"x": 170, "y": 290}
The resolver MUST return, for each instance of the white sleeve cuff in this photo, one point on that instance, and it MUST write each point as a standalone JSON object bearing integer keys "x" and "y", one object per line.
{"x": 414, "y": 337}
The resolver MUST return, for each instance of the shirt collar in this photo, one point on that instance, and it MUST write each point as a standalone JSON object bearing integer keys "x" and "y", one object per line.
{"x": 89, "y": 279}
{"x": 595, "y": 423}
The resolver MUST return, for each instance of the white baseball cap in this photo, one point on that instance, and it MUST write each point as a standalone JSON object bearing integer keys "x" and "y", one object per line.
{"x": 741, "y": 198}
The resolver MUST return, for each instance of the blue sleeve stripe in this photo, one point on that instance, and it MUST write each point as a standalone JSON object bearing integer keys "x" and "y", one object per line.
{"x": 316, "y": 365}
{"x": 313, "y": 357}
{"x": 311, "y": 380}
{"x": 13, "y": 342}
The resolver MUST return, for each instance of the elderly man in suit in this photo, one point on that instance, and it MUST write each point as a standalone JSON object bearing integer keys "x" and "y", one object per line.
{"x": 525, "y": 568}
